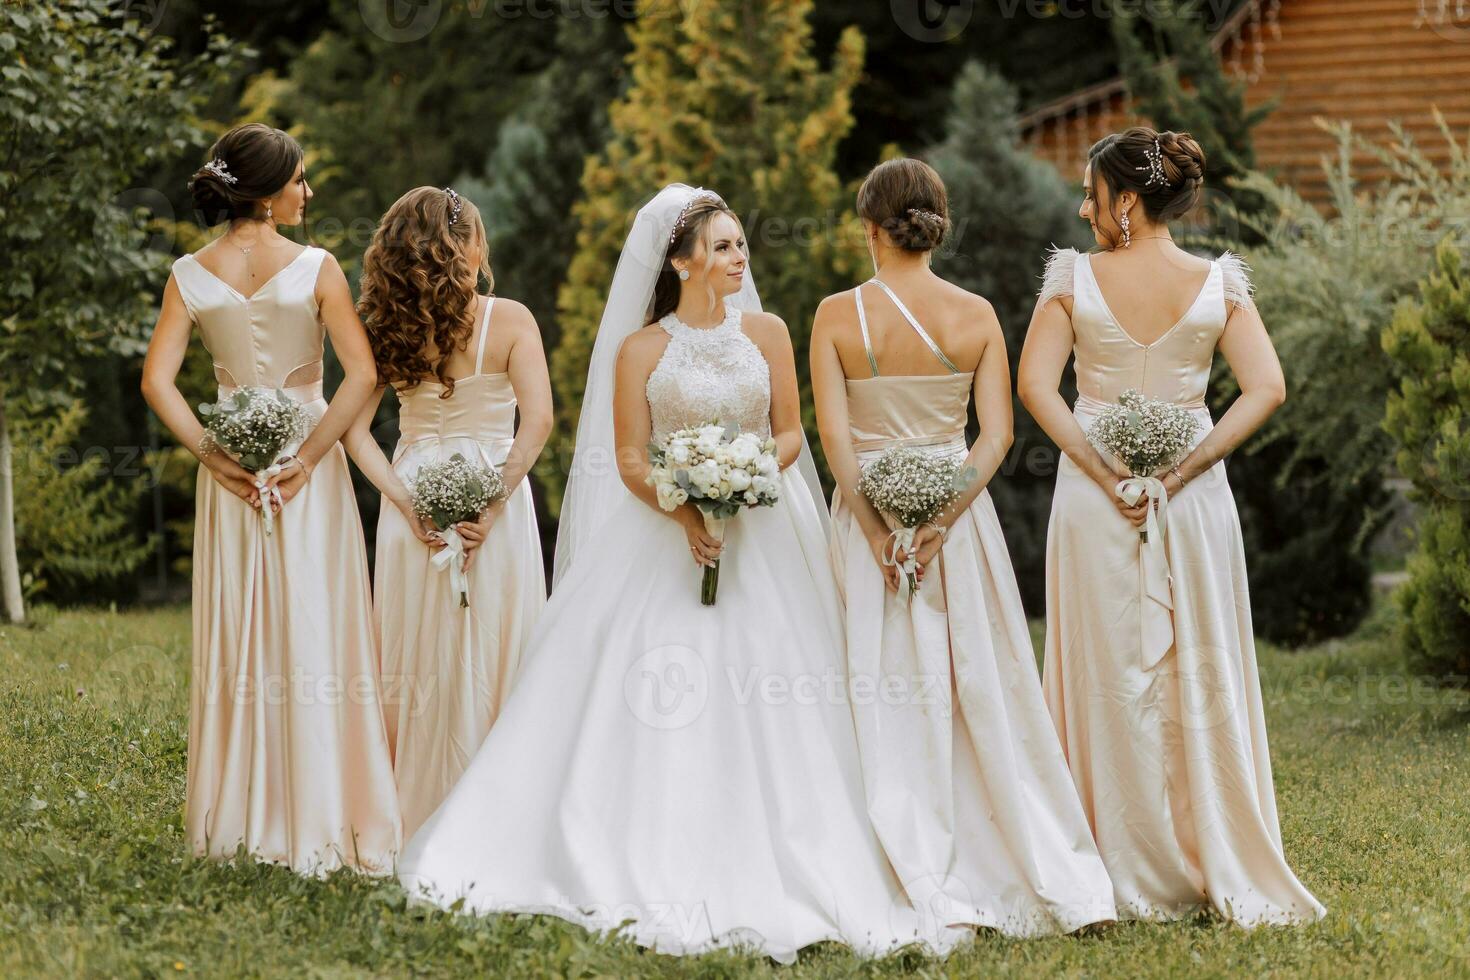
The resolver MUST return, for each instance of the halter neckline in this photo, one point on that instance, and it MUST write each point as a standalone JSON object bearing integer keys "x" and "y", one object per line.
{"x": 732, "y": 315}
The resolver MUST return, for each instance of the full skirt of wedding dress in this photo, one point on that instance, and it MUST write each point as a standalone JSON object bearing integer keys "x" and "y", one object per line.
{"x": 690, "y": 768}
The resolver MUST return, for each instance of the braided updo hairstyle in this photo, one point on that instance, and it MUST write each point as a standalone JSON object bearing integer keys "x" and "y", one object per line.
{"x": 1121, "y": 161}
{"x": 262, "y": 160}
{"x": 906, "y": 198}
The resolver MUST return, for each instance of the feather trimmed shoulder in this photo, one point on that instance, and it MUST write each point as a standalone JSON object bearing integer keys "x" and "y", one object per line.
{"x": 1057, "y": 279}
{"x": 1237, "y": 279}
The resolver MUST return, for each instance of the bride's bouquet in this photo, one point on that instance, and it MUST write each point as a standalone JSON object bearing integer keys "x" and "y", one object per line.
{"x": 721, "y": 470}
{"x": 1146, "y": 435}
{"x": 255, "y": 425}
{"x": 912, "y": 488}
{"x": 450, "y": 491}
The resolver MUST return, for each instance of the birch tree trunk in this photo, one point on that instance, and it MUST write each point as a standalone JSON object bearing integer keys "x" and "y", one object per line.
{"x": 14, "y": 605}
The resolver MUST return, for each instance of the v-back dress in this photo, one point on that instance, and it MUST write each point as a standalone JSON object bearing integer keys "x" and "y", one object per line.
{"x": 1150, "y": 664}
{"x": 288, "y": 753}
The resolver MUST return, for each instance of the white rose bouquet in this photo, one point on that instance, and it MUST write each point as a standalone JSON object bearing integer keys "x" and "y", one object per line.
{"x": 721, "y": 470}
{"x": 912, "y": 488}
{"x": 446, "y": 493}
{"x": 1146, "y": 435}
{"x": 255, "y": 425}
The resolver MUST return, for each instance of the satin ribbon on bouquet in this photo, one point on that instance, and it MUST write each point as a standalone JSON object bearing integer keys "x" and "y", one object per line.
{"x": 1155, "y": 584}
{"x": 902, "y": 539}
{"x": 270, "y": 496}
{"x": 452, "y": 556}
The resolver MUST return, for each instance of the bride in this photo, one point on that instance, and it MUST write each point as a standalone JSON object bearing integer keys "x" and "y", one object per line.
{"x": 686, "y": 772}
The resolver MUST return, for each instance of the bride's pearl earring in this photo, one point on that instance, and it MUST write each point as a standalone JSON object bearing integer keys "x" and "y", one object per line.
{"x": 271, "y": 215}
{"x": 1127, "y": 235}
{"x": 683, "y": 273}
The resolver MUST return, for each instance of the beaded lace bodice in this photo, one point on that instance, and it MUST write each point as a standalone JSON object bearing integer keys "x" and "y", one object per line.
{"x": 716, "y": 374}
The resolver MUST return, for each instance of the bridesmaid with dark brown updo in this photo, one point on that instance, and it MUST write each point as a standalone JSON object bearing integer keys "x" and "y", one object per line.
{"x": 1150, "y": 657}
{"x": 288, "y": 754}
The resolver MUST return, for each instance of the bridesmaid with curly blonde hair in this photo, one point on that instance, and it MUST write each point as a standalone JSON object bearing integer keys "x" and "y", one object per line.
{"x": 462, "y": 364}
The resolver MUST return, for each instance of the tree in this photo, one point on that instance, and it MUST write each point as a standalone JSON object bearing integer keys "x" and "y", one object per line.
{"x": 915, "y": 51}
{"x": 90, "y": 102}
{"x": 1327, "y": 284}
{"x": 74, "y": 522}
{"x": 383, "y": 105}
{"x": 1429, "y": 417}
{"x": 533, "y": 177}
{"x": 726, "y": 96}
{"x": 1176, "y": 80}
{"x": 1007, "y": 207}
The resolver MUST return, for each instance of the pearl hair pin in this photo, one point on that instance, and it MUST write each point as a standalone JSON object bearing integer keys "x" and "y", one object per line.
{"x": 1155, "y": 165}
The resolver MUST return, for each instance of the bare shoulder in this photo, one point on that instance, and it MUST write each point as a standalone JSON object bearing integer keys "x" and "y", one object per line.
{"x": 973, "y": 309}
{"x": 833, "y": 311}
{"x": 766, "y": 329}
{"x": 514, "y": 316}
{"x": 641, "y": 349}
{"x": 972, "y": 304}
{"x": 330, "y": 267}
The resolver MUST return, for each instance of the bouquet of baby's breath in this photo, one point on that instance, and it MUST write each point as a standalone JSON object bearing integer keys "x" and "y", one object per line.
{"x": 912, "y": 487}
{"x": 720, "y": 469}
{"x": 446, "y": 493}
{"x": 1145, "y": 434}
{"x": 255, "y": 425}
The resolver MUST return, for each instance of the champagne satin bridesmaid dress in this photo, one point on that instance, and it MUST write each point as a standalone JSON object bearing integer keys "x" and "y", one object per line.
{"x": 288, "y": 753}
{"x": 448, "y": 669}
{"x": 965, "y": 782}
{"x": 1150, "y": 668}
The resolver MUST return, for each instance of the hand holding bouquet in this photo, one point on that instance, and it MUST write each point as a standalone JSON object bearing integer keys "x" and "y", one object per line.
{"x": 721, "y": 470}
{"x": 1146, "y": 435}
{"x": 450, "y": 491}
{"x": 912, "y": 488}
{"x": 256, "y": 425}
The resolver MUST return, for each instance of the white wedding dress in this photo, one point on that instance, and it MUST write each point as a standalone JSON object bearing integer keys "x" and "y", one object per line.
{"x": 689, "y": 769}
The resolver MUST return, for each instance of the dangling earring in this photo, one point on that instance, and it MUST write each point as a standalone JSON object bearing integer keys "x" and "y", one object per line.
{"x": 1127, "y": 235}
{"x": 271, "y": 215}
{"x": 683, "y": 273}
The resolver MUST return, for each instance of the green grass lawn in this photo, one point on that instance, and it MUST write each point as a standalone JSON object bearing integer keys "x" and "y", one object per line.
{"x": 1372, "y": 778}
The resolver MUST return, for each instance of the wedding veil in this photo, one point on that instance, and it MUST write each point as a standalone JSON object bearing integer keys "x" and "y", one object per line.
{"x": 593, "y": 482}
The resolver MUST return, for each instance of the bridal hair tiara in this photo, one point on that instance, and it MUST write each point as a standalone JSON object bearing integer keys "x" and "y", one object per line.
{"x": 923, "y": 213}
{"x": 218, "y": 168}
{"x": 455, "y": 204}
{"x": 699, "y": 195}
